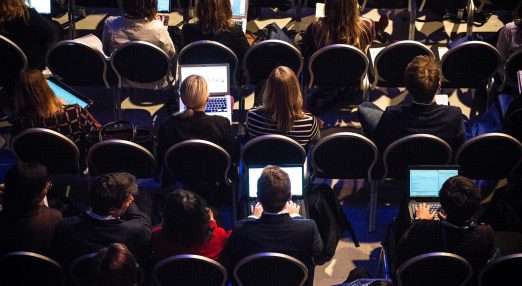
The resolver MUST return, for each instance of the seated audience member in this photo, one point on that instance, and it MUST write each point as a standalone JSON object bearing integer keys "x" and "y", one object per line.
{"x": 36, "y": 105}
{"x": 113, "y": 217}
{"x": 26, "y": 223}
{"x": 115, "y": 265}
{"x": 455, "y": 232}
{"x": 188, "y": 228}
{"x": 510, "y": 39}
{"x": 282, "y": 110}
{"x": 419, "y": 115}
{"x": 279, "y": 228}
{"x": 215, "y": 23}
{"x": 194, "y": 123}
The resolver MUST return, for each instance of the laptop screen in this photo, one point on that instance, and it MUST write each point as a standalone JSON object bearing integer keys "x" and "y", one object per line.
{"x": 239, "y": 8}
{"x": 294, "y": 172}
{"x": 66, "y": 95}
{"x": 41, "y": 6}
{"x": 427, "y": 181}
{"x": 163, "y": 5}
{"x": 216, "y": 76}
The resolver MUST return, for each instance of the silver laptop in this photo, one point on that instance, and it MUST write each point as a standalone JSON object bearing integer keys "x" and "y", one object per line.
{"x": 43, "y": 7}
{"x": 164, "y": 11}
{"x": 425, "y": 183}
{"x": 296, "y": 174}
{"x": 240, "y": 12}
{"x": 217, "y": 77}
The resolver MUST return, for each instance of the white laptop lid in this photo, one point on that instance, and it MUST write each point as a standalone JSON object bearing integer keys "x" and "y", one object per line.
{"x": 295, "y": 173}
{"x": 41, "y": 6}
{"x": 216, "y": 75}
{"x": 426, "y": 181}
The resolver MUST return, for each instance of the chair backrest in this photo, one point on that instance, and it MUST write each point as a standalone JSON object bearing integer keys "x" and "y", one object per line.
{"x": 13, "y": 60}
{"x": 77, "y": 63}
{"x": 263, "y": 57}
{"x": 416, "y": 149}
{"x": 189, "y": 270}
{"x": 115, "y": 155}
{"x": 490, "y": 156}
{"x": 512, "y": 65}
{"x": 28, "y": 268}
{"x": 470, "y": 64}
{"x": 140, "y": 62}
{"x": 55, "y": 151}
{"x": 325, "y": 70}
{"x": 390, "y": 63}
{"x": 344, "y": 155}
{"x": 512, "y": 123}
{"x": 195, "y": 161}
{"x": 502, "y": 271}
{"x": 273, "y": 149}
{"x": 209, "y": 52}
{"x": 434, "y": 269}
{"x": 270, "y": 268}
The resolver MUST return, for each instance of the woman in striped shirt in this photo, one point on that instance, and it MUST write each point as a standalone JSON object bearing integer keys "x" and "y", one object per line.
{"x": 282, "y": 110}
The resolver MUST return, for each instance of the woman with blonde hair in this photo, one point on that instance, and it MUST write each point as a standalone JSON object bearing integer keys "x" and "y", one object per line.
{"x": 282, "y": 110}
{"x": 36, "y": 105}
{"x": 194, "y": 123}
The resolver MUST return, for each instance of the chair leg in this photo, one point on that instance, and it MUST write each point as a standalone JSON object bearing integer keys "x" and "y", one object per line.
{"x": 116, "y": 96}
{"x": 372, "y": 207}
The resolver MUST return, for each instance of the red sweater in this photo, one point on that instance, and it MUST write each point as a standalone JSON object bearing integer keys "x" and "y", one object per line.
{"x": 163, "y": 248}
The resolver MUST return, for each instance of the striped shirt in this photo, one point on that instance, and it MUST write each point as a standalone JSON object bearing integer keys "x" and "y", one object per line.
{"x": 303, "y": 131}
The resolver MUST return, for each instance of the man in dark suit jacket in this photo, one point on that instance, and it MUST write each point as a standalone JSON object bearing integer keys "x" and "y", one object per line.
{"x": 113, "y": 217}
{"x": 419, "y": 115}
{"x": 275, "y": 226}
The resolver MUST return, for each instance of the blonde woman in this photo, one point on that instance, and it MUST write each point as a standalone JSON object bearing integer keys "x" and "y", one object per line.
{"x": 282, "y": 110}
{"x": 194, "y": 123}
{"x": 28, "y": 29}
{"x": 36, "y": 105}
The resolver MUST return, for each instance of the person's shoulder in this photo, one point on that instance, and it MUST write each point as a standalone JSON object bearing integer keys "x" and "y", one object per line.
{"x": 70, "y": 222}
{"x": 189, "y": 27}
{"x": 113, "y": 20}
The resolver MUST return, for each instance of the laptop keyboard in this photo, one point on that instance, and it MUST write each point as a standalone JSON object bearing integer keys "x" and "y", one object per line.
{"x": 299, "y": 202}
{"x": 434, "y": 207}
{"x": 216, "y": 104}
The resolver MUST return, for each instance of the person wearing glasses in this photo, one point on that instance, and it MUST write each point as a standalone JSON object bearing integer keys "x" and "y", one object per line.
{"x": 113, "y": 217}
{"x": 26, "y": 222}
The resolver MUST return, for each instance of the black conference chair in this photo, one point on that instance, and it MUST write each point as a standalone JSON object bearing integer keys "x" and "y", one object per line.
{"x": 339, "y": 65}
{"x": 502, "y": 271}
{"x": 189, "y": 270}
{"x": 490, "y": 156}
{"x": 142, "y": 65}
{"x": 434, "y": 269}
{"x": 79, "y": 64}
{"x": 270, "y": 268}
{"x": 115, "y": 155}
{"x": 272, "y": 149}
{"x": 13, "y": 60}
{"x": 28, "y": 268}
{"x": 512, "y": 123}
{"x": 512, "y": 65}
{"x": 390, "y": 63}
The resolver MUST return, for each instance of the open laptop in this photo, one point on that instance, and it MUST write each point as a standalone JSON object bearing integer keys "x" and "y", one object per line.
{"x": 69, "y": 95}
{"x": 218, "y": 81}
{"x": 43, "y": 7}
{"x": 164, "y": 11}
{"x": 240, "y": 12}
{"x": 425, "y": 183}
{"x": 296, "y": 174}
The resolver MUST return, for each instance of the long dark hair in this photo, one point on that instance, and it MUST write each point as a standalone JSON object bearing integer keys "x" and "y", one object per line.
{"x": 187, "y": 220}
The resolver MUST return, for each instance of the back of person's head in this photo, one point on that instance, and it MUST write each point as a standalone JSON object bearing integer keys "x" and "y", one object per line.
{"x": 282, "y": 98}
{"x": 110, "y": 191}
{"x": 422, "y": 78}
{"x": 115, "y": 266}
{"x": 194, "y": 93}
{"x": 214, "y": 16}
{"x": 273, "y": 189}
{"x": 140, "y": 9}
{"x": 25, "y": 186}
{"x": 13, "y": 9}
{"x": 460, "y": 200}
{"x": 34, "y": 95}
{"x": 186, "y": 220}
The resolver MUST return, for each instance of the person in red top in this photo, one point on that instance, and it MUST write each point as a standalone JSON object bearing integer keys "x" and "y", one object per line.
{"x": 188, "y": 227}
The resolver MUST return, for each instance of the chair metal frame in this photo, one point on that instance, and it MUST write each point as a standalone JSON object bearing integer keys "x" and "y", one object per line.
{"x": 17, "y": 49}
{"x": 278, "y": 137}
{"x": 262, "y": 255}
{"x": 75, "y": 263}
{"x": 102, "y": 57}
{"x": 114, "y": 142}
{"x": 41, "y": 257}
{"x": 427, "y": 256}
{"x": 364, "y": 76}
{"x": 200, "y": 258}
{"x": 495, "y": 263}
{"x": 506, "y": 67}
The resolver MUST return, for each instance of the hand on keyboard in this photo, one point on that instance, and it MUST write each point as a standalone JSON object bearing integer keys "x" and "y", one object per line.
{"x": 423, "y": 211}
{"x": 292, "y": 208}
